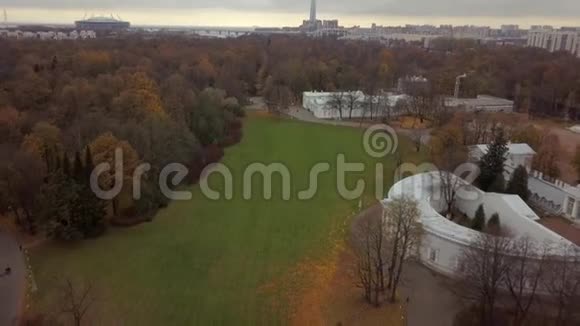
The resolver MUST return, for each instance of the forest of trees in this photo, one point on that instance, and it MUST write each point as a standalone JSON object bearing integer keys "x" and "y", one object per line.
{"x": 66, "y": 106}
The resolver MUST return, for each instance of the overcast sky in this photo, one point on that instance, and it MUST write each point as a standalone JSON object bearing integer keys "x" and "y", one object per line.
{"x": 290, "y": 12}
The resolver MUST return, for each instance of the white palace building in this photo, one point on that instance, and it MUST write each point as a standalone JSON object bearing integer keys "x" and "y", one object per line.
{"x": 322, "y": 104}
{"x": 444, "y": 241}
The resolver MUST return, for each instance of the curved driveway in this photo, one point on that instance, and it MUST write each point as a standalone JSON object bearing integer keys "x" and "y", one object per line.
{"x": 12, "y": 286}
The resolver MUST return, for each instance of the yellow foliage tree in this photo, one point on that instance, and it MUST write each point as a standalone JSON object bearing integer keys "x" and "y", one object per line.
{"x": 45, "y": 142}
{"x": 140, "y": 98}
{"x": 91, "y": 62}
{"x": 103, "y": 149}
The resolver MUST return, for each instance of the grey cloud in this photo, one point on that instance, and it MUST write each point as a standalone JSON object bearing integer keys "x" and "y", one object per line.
{"x": 497, "y": 8}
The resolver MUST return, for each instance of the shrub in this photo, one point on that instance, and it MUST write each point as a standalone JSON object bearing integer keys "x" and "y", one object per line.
{"x": 518, "y": 185}
{"x": 493, "y": 225}
{"x": 479, "y": 220}
{"x": 498, "y": 185}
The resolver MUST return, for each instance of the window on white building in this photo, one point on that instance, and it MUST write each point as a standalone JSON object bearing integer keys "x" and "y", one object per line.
{"x": 570, "y": 208}
{"x": 433, "y": 255}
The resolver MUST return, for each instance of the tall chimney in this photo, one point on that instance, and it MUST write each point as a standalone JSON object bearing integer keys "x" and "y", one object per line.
{"x": 312, "y": 11}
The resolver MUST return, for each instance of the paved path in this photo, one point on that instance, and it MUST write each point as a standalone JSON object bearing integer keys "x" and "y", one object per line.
{"x": 12, "y": 286}
{"x": 300, "y": 113}
{"x": 430, "y": 300}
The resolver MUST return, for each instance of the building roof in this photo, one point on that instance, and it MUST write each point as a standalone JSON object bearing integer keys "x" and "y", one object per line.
{"x": 514, "y": 149}
{"x": 101, "y": 19}
{"x": 480, "y": 101}
{"x": 421, "y": 188}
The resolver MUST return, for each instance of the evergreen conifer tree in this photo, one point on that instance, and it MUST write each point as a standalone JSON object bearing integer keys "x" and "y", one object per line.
{"x": 518, "y": 184}
{"x": 492, "y": 163}
{"x": 479, "y": 221}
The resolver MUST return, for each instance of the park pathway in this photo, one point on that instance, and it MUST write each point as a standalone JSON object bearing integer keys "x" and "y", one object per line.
{"x": 13, "y": 285}
{"x": 431, "y": 302}
{"x": 299, "y": 113}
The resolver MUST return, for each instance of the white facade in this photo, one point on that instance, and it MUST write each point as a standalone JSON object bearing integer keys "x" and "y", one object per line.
{"x": 444, "y": 241}
{"x": 518, "y": 154}
{"x": 555, "y": 40}
{"x": 554, "y": 196}
{"x": 322, "y": 104}
{"x": 482, "y": 103}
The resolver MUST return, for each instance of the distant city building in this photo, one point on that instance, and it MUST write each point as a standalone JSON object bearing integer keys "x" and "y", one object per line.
{"x": 102, "y": 24}
{"x": 46, "y": 36}
{"x": 482, "y": 103}
{"x": 472, "y": 32}
{"x": 565, "y": 39}
{"x": 330, "y": 23}
{"x": 409, "y": 83}
{"x": 509, "y": 34}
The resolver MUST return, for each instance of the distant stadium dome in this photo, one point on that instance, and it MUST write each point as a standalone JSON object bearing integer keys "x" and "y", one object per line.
{"x": 102, "y": 23}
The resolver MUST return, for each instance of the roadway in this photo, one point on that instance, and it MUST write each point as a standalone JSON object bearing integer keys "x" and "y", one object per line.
{"x": 13, "y": 285}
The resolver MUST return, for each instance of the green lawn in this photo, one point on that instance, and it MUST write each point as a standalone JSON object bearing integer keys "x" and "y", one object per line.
{"x": 203, "y": 262}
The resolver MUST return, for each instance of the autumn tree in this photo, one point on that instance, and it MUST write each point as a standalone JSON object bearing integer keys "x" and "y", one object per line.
{"x": 139, "y": 99}
{"x": 277, "y": 95}
{"x": 21, "y": 178}
{"x": 483, "y": 266}
{"x": 526, "y": 266}
{"x": 45, "y": 141}
{"x": 562, "y": 282}
{"x": 529, "y": 135}
{"x": 352, "y": 101}
{"x": 547, "y": 158}
{"x": 448, "y": 154}
{"x": 403, "y": 236}
{"x": 337, "y": 103}
{"x": 179, "y": 98}
{"x": 103, "y": 150}
{"x": 369, "y": 247}
{"x": 92, "y": 62}
{"x": 76, "y": 299}
{"x": 9, "y": 123}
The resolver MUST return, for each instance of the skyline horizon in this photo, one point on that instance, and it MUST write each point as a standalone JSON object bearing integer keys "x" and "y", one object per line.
{"x": 237, "y": 18}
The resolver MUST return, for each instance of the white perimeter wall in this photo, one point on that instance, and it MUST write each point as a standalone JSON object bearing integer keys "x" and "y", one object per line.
{"x": 444, "y": 240}
{"x": 447, "y": 253}
{"x": 515, "y": 215}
